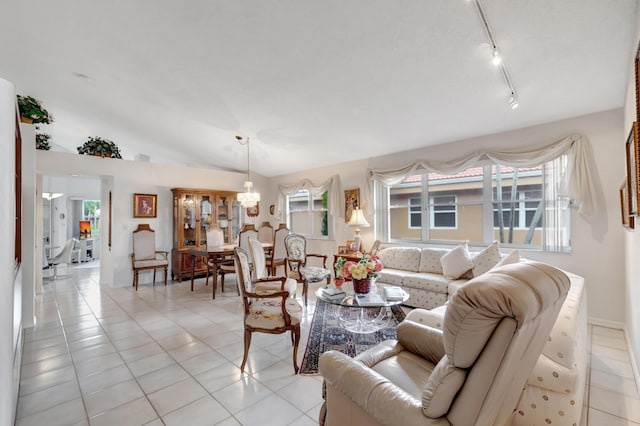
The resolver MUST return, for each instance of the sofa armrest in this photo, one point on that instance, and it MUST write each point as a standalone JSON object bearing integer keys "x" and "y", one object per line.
{"x": 372, "y": 392}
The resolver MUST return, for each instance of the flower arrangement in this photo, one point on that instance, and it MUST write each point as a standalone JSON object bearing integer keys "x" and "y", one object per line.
{"x": 42, "y": 141}
{"x": 367, "y": 267}
{"x": 31, "y": 109}
{"x": 100, "y": 147}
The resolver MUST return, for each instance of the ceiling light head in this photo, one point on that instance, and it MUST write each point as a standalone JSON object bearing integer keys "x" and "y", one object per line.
{"x": 496, "y": 59}
{"x": 513, "y": 101}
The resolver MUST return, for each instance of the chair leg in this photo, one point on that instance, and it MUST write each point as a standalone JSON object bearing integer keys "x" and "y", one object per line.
{"x": 133, "y": 283}
{"x": 166, "y": 268}
{"x": 154, "y": 277}
{"x": 247, "y": 343}
{"x": 222, "y": 282}
{"x": 136, "y": 280}
{"x": 296, "y": 335}
{"x": 305, "y": 288}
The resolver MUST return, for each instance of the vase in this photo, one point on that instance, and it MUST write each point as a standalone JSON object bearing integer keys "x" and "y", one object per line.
{"x": 27, "y": 120}
{"x": 362, "y": 286}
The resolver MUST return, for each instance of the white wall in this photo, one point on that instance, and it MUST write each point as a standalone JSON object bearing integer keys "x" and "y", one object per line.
{"x": 9, "y": 330}
{"x": 599, "y": 258}
{"x": 124, "y": 178}
{"x": 632, "y": 238}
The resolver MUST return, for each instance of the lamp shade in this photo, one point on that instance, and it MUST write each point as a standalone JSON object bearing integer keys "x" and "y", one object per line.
{"x": 358, "y": 219}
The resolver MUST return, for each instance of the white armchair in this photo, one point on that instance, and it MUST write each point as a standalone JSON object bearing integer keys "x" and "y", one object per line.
{"x": 145, "y": 256}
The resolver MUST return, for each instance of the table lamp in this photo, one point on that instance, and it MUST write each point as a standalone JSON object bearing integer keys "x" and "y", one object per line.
{"x": 358, "y": 220}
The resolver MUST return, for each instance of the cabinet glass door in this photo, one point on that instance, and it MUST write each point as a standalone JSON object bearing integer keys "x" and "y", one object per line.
{"x": 206, "y": 218}
{"x": 223, "y": 216}
{"x": 189, "y": 221}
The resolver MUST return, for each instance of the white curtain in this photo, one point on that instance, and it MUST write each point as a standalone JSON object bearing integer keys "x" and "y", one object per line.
{"x": 332, "y": 185}
{"x": 581, "y": 182}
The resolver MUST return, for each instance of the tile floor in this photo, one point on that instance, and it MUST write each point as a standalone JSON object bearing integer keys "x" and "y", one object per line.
{"x": 104, "y": 356}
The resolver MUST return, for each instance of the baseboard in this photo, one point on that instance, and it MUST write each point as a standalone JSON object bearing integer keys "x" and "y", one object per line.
{"x": 606, "y": 323}
{"x": 634, "y": 365}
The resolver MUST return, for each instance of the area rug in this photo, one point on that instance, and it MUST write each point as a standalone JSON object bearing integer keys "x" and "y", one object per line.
{"x": 326, "y": 334}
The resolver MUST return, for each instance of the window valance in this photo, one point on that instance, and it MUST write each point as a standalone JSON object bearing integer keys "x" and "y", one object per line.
{"x": 332, "y": 185}
{"x": 581, "y": 182}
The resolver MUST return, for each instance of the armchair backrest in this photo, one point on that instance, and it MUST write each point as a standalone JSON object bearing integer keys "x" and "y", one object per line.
{"x": 243, "y": 271}
{"x": 296, "y": 246}
{"x": 265, "y": 233}
{"x": 494, "y": 330}
{"x": 258, "y": 257}
{"x": 215, "y": 237}
{"x": 279, "y": 250}
{"x": 246, "y": 233}
{"x": 144, "y": 242}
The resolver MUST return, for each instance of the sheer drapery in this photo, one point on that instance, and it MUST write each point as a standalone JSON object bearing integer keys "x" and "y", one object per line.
{"x": 581, "y": 183}
{"x": 332, "y": 185}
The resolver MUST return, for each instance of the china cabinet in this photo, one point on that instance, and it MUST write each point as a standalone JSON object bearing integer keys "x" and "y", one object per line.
{"x": 194, "y": 212}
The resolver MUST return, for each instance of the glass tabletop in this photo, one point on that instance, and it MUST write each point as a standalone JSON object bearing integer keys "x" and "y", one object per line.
{"x": 376, "y": 298}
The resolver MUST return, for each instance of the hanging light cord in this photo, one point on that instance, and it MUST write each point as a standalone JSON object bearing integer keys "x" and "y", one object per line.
{"x": 240, "y": 141}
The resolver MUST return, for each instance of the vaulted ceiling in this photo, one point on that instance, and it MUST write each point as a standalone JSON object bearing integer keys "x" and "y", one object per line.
{"x": 311, "y": 83}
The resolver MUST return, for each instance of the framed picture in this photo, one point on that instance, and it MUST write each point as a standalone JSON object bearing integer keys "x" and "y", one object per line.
{"x": 343, "y": 249}
{"x": 145, "y": 205}
{"x": 632, "y": 149}
{"x": 254, "y": 211}
{"x": 351, "y": 244}
{"x": 628, "y": 221}
{"x": 637, "y": 69}
{"x": 351, "y": 201}
{"x": 272, "y": 209}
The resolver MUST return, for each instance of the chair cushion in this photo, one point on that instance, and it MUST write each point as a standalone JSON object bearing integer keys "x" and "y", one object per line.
{"x": 267, "y": 313}
{"x": 408, "y": 371}
{"x": 456, "y": 262}
{"x": 290, "y": 285}
{"x": 486, "y": 259}
{"x": 314, "y": 274}
{"x": 443, "y": 385}
{"x": 150, "y": 263}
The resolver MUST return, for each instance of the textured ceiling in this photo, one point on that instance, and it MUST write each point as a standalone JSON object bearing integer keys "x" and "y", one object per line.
{"x": 312, "y": 83}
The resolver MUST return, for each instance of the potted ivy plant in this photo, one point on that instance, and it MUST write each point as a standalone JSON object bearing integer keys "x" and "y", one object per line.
{"x": 31, "y": 111}
{"x": 42, "y": 141}
{"x": 100, "y": 147}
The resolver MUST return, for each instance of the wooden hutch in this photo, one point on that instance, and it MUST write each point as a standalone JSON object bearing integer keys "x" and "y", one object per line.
{"x": 194, "y": 211}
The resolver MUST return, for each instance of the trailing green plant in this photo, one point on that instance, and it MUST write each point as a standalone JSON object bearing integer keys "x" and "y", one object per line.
{"x": 32, "y": 109}
{"x": 42, "y": 141}
{"x": 100, "y": 147}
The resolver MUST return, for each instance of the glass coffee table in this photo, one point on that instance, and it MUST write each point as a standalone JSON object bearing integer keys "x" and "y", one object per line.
{"x": 362, "y": 314}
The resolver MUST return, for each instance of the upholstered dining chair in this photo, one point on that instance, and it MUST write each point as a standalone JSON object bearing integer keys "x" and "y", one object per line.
{"x": 265, "y": 233}
{"x": 145, "y": 256}
{"x": 272, "y": 312}
{"x": 215, "y": 238}
{"x": 247, "y": 231}
{"x": 260, "y": 271}
{"x": 64, "y": 257}
{"x": 297, "y": 267}
{"x": 279, "y": 252}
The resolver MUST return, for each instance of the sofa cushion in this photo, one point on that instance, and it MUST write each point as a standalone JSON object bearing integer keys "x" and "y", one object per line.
{"x": 513, "y": 257}
{"x": 486, "y": 259}
{"x": 405, "y": 258}
{"x": 391, "y": 276}
{"x": 426, "y": 281}
{"x": 430, "y": 260}
{"x": 456, "y": 262}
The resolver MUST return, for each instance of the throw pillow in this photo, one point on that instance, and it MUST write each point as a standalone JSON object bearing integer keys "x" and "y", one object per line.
{"x": 486, "y": 259}
{"x": 513, "y": 257}
{"x": 456, "y": 262}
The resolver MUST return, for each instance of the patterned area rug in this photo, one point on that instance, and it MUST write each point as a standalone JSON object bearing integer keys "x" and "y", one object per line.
{"x": 326, "y": 334}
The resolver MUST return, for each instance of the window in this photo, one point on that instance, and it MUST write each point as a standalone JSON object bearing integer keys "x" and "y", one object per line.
{"x": 91, "y": 212}
{"x": 307, "y": 213}
{"x": 443, "y": 211}
{"x": 518, "y": 206}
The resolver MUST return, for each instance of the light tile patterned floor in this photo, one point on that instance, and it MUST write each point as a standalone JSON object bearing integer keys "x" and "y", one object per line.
{"x": 104, "y": 356}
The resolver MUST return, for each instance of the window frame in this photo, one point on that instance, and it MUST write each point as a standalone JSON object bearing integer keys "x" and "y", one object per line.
{"x": 433, "y": 212}
{"x": 310, "y": 210}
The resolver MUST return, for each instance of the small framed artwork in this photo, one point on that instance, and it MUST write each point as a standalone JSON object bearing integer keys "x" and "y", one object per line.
{"x": 632, "y": 150}
{"x": 351, "y": 244}
{"x": 272, "y": 209}
{"x": 351, "y": 202}
{"x": 628, "y": 221}
{"x": 145, "y": 205}
{"x": 253, "y": 211}
{"x": 343, "y": 249}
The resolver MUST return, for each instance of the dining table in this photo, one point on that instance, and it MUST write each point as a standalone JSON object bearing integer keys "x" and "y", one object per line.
{"x": 216, "y": 255}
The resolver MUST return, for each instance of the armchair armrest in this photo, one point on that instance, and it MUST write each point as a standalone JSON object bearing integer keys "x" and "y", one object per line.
{"x": 282, "y": 281}
{"x": 372, "y": 392}
{"x": 322, "y": 256}
{"x": 163, "y": 253}
{"x": 421, "y": 340}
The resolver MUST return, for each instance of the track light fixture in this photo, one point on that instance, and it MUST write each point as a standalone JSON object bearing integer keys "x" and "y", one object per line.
{"x": 496, "y": 58}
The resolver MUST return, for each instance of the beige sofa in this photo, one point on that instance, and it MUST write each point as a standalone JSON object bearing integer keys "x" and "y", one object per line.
{"x": 555, "y": 388}
{"x": 469, "y": 373}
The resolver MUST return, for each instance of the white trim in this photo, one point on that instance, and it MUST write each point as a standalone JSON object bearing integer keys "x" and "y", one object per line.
{"x": 634, "y": 365}
{"x": 606, "y": 323}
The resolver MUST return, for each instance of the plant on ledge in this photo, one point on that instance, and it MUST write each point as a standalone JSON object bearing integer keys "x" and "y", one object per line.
{"x": 42, "y": 141}
{"x": 100, "y": 147}
{"x": 31, "y": 111}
